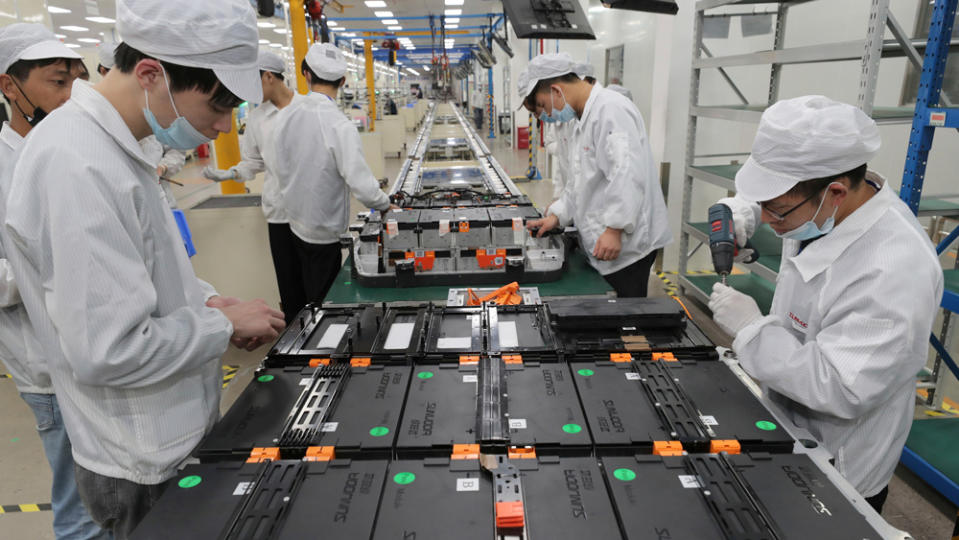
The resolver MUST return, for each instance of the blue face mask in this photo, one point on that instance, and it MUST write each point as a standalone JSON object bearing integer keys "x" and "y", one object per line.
{"x": 181, "y": 135}
{"x": 809, "y": 230}
{"x": 563, "y": 115}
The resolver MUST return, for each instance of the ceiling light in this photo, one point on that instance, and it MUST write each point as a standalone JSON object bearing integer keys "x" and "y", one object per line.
{"x": 72, "y": 45}
{"x": 101, "y": 20}
{"x": 280, "y": 30}
{"x": 453, "y": 20}
{"x": 452, "y": 26}
{"x": 60, "y": 36}
{"x": 265, "y": 24}
{"x": 264, "y": 41}
{"x": 394, "y": 27}
{"x": 350, "y": 34}
{"x": 454, "y": 2}
{"x": 275, "y": 45}
{"x": 375, "y": 4}
{"x": 55, "y": 9}
{"x": 384, "y": 14}
{"x": 453, "y": 12}
{"x": 332, "y": 23}
{"x": 389, "y": 21}
{"x": 74, "y": 28}
{"x": 427, "y": 68}
{"x": 413, "y": 71}
{"x": 88, "y": 40}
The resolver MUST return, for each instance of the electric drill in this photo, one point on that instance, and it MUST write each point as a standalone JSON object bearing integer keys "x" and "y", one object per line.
{"x": 722, "y": 240}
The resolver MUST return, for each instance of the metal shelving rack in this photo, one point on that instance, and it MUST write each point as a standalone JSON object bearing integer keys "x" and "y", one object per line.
{"x": 760, "y": 281}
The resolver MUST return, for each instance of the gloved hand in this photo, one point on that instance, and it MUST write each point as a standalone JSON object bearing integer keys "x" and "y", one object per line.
{"x": 218, "y": 175}
{"x": 732, "y": 310}
{"x": 241, "y": 175}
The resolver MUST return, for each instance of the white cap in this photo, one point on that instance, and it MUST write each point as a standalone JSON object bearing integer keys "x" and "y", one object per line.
{"x": 220, "y": 35}
{"x": 105, "y": 53}
{"x": 621, "y": 90}
{"x": 271, "y": 62}
{"x": 548, "y": 66}
{"x": 29, "y": 41}
{"x": 805, "y": 138}
{"x": 327, "y": 61}
{"x": 584, "y": 70}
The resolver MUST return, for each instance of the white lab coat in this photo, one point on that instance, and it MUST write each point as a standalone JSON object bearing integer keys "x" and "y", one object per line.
{"x": 318, "y": 156}
{"x": 847, "y": 332}
{"x": 133, "y": 350}
{"x": 20, "y": 350}
{"x": 172, "y": 159}
{"x": 558, "y": 141}
{"x": 616, "y": 184}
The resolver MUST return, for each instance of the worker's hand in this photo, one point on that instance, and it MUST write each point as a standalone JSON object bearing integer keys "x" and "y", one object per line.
{"x": 254, "y": 321}
{"x": 732, "y": 310}
{"x": 161, "y": 170}
{"x": 544, "y": 225}
{"x": 222, "y": 301}
{"x": 609, "y": 245}
{"x": 393, "y": 207}
{"x": 240, "y": 174}
{"x": 218, "y": 175}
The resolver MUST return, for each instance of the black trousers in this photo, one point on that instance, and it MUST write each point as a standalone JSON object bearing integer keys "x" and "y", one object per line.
{"x": 879, "y": 499}
{"x": 289, "y": 271}
{"x": 632, "y": 281}
{"x": 319, "y": 264}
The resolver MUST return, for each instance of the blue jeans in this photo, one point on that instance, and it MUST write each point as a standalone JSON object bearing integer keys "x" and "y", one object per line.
{"x": 70, "y": 519}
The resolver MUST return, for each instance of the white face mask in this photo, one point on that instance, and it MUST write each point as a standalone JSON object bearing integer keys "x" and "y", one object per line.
{"x": 809, "y": 229}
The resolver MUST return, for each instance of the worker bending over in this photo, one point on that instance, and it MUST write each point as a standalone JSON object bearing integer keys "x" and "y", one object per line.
{"x": 132, "y": 337}
{"x": 857, "y": 292}
{"x": 320, "y": 161}
{"x": 615, "y": 200}
{"x": 257, "y": 151}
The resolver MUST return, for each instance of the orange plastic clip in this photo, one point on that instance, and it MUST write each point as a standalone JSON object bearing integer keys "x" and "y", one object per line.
{"x": 728, "y": 446}
{"x": 510, "y": 515}
{"x": 521, "y": 452}
{"x": 360, "y": 362}
{"x": 320, "y": 453}
{"x": 317, "y": 362}
{"x": 465, "y": 451}
{"x": 473, "y": 298}
{"x": 512, "y": 358}
{"x": 466, "y": 360}
{"x": 664, "y": 356}
{"x": 667, "y": 448}
{"x": 620, "y": 357}
{"x": 259, "y": 455}
{"x": 464, "y": 226}
{"x": 424, "y": 263}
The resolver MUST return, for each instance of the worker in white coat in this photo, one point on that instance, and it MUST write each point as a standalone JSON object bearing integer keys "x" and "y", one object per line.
{"x": 615, "y": 200}
{"x": 557, "y": 136}
{"x": 35, "y": 79}
{"x": 319, "y": 161}
{"x": 133, "y": 339}
{"x": 257, "y": 150}
{"x": 858, "y": 288}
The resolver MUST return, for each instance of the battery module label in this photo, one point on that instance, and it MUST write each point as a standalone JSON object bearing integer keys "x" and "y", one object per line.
{"x": 709, "y": 420}
{"x": 690, "y": 481}
{"x": 329, "y": 427}
{"x": 467, "y": 484}
{"x": 517, "y": 423}
{"x": 243, "y": 488}
{"x": 470, "y": 378}
{"x": 633, "y": 376}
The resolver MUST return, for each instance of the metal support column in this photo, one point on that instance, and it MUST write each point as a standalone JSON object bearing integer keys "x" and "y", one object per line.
{"x": 690, "y": 148}
{"x": 775, "y": 75}
{"x": 492, "y": 108}
{"x": 878, "y": 15}
{"x": 370, "y": 81}
{"x": 300, "y": 43}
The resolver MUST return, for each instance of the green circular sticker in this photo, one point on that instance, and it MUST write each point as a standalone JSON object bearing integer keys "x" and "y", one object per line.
{"x": 765, "y": 425}
{"x": 425, "y": 375}
{"x": 572, "y": 428}
{"x": 586, "y": 372}
{"x": 404, "y": 478}
{"x": 379, "y": 431}
{"x": 265, "y": 378}
{"x": 626, "y": 475}
{"x": 190, "y": 481}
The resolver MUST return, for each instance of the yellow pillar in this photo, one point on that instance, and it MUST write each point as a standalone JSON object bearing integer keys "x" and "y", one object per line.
{"x": 370, "y": 80}
{"x": 227, "y": 147}
{"x": 300, "y": 43}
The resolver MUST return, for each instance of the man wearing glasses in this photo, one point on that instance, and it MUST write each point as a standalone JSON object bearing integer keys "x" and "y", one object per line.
{"x": 857, "y": 292}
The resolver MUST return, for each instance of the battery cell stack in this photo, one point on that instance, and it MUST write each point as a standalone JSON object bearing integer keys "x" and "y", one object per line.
{"x": 593, "y": 418}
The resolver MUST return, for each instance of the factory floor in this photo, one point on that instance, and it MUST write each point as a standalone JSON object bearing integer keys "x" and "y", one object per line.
{"x": 233, "y": 254}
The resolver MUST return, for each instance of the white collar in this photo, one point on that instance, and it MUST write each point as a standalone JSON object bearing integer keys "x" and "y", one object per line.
{"x": 10, "y": 137}
{"x": 108, "y": 118}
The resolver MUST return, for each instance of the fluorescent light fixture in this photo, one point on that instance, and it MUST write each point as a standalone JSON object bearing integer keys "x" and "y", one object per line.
{"x": 384, "y": 14}
{"x": 453, "y": 12}
{"x": 453, "y": 20}
{"x": 332, "y": 23}
{"x": 413, "y": 71}
{"x": 265, "y": 24}
{"x": 72, "y": 45}
{"x": 349, "y": 34}
{"x": 394, "y": 27}
{"x": 375, "y": 4}
{"x": 452, "y": 26}
{"x": 286, "y": 47}
{"x": 426, "y": 68}
{"x": 275, "y": 45}
{"x": 88, "y": 40}
{"x": 101, "y": 20}
{"x": 454, "y": 2}
{"x": 74, "y": 28}
{"x": 60, "y": 36}
{"x": 374, "y": 48}
{"x": 264, "y": 42}
{"x": 390, "y": 21}
{"x": 55, "y": 9}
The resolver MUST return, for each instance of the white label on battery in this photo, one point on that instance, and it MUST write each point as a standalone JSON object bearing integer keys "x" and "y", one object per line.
{"x": 632, "y": 376}
{"x": 709, "y": 420}
{"x": 329, "y": 427}
{"x": 399, "y": 336}
{"x": 517, "y": 423}
{"x": 243, "y": 488}
{"x": 467, "y": 484}
{"x": 332, "y": 337}
{"x": 392, "y": 229}
{"x": 454, "y": 343}
{"x": 470, "y": 378}
{"x": 507, "y": 334}
{"x": 517, "y": 223}
{"x": 305, "y": 382}
{"x": 937, "y": 119}
{"x": 690, "y": 481}
{"x": 444, "y": 227}
{"x": 629, "y": 329}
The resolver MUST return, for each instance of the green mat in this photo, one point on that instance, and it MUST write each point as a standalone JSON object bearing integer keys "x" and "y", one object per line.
{"x": 951, "y": 278}
{"x": 758, "y": 288}
{"x": 579, "y": 279}
{"x": 936, "y": 441}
